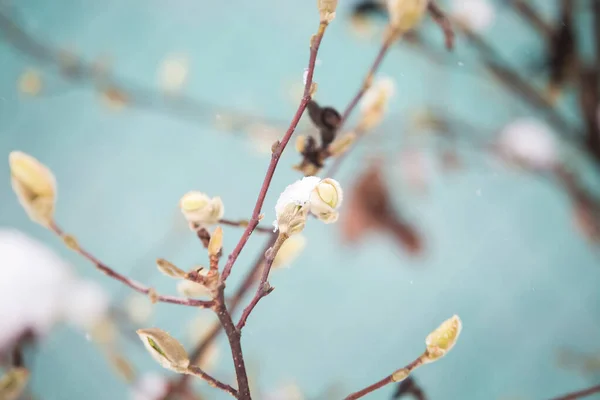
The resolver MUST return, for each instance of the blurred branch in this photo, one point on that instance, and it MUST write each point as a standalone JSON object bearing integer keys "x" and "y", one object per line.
{"x": 530, "y": 14}
{"x": 138, "y": 287}
{"x": 580, "y": 394}
{"x": 243, "y": 224}
{"x": 79, "y": 71}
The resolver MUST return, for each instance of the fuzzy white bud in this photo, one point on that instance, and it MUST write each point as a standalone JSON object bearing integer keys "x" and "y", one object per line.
{"x": 200, "y": 209}
{"x": 325, "y": 199}
{"x": 406, "y": 14}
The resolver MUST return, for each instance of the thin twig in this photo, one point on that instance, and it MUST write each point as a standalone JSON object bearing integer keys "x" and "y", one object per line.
{"x": 579, "y": 394}
{"x": 197, "y": 371}
{"x": 137, "y": 286}
{"x": 243, "y": 224}
{"x": 443, "y": 22}
{"x": 316, "y": 42}
{"x": 383, "y": 382}
{"x": 530, "y": 14}
{"x": 264, "y": 288}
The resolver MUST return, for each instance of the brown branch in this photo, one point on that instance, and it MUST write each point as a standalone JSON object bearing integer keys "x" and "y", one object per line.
{"x": 196, "y": 371}
{"x": 243, "y": 224}
{"x": 137, "y": 286}
{"x": 385, "y": 381}
{"x": 443, "y": 22}
{"x": 580, "y": 394}
{"x": 278, "y": 150}
{"x": 264, "y": 288}
{"x": 530, "y": 14}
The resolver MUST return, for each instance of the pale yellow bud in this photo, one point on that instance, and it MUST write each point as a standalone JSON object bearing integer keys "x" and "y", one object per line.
{"x": 13, "y": 383}
{"x": 325, "y": 199}
{"x": 327, "y": 10}
{"x": 289, "y": 251}
{"x": 193, "y": 289}
{"x": 198, "y": 208}
{"x": 400, "y": 375}
{"x": 440, "y": 341}
{"x": 34, "y": 185}
{"x": 30, "y": 82}
{"x": 166, "y": 350}
{"x": 292, "y": 219}
{"x": 216, "y": 242}
{"x": 169, "y": 269}
{"x": 342, "y": 144}
{"x": 375, "y": 103}
{"x": 406, "y": 14}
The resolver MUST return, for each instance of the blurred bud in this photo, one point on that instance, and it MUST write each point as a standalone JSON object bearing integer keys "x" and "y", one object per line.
{"x": 139, "y": 308}
{"x": 300, "y": 143}
{"x": 13, "y": 383}
{"x": 327, "y": 10}
{"x": 169, "y": 269}
{"x": 30, "y": 82}
{"x": 167, "y": 351}
{"x": 216, "y": 242}
{"x": 191, "y": 289}
{"x": 292, "y": 219}
{"x": 342, "y": 144}
{"x": 34, "y": 185}
{"x": 122, "y": 367}
{"x": 400, "y": 375}
{"x": 115, "y": 98}
{"x": 406, "y": 14}
{"x": 325, "y": 199}
{"x": 289, "y": 251}
{"x": 173, "y": 73}
{"x": 198, "y": 208}
{"x": 441, "y": 341}
{"x": 375, "y": 102}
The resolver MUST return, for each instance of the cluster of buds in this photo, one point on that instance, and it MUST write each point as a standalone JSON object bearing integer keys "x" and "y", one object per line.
{"x": 406, "y": 14}
{"x": 321, "y": 197}
{"x": 200, "y": 210}
{"x": 315, "y": 151}
{"x": 34, "y": 185}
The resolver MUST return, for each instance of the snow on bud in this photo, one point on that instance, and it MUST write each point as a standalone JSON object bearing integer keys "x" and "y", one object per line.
{"x": 13, "y": 383}
{"x": 406, "y": 14}
{"x": 325, "y": 199}
{"x": 200, "y": 209}
{"x": 327, "y": 10}
{"x": 289, "y": 251}
{"x": 475, "y": 15}
{"x": 375, "y": 102}
{"x": 169, "y": 269}
{"x": 166, "y": 350}
{"x": 440, "y": 341}
{"x": 531, "y": 142}
{"x": 292, "y": 206}
{"x": 34, "y": 185}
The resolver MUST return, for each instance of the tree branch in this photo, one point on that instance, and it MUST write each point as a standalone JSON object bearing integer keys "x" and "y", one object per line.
{"x": 580, "y": 394}
{"x": 264, "y": 288}
{"x": 243, "y": 224}
{"x": 137, "y": 286}
{"x": 386, "y": 381}
{"x": 315, "y": 43}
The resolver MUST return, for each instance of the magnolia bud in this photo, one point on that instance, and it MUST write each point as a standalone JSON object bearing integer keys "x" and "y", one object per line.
{"x": 342, "y": 144}
{"x": 216, "y": 242}
{"x": 400, "y": 375}
{"x": 13, "y": 383}
{"x": 167, "y": 351}
{"x": 327, "y": 10}
{"x": 169, "y": 269}
{"x": 292, "y": 219}
{"x": 406, "y": 14}
{"x": 198, "y": 208}
{"x": 440, "y": 341}
{"x": 325, "y": 199}
{"x": 34, "y": 185}
{"x": 191, "y": 289}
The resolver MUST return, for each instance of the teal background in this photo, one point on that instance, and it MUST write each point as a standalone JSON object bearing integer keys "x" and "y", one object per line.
{"x": 502, "y": 250}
